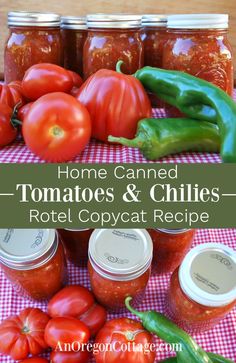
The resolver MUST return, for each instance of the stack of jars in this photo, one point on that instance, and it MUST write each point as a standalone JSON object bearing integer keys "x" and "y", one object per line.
{"x": 202, "y": 287}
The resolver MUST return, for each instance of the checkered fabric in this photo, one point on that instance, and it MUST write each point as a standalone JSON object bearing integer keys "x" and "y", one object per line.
{"x": 97, "y": 152}
{"x": 221, "y": 339}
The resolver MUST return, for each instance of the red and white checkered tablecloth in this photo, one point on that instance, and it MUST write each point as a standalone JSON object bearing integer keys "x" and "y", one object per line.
{"x": 97, "y": 152}
{"x": 221, "y": 339}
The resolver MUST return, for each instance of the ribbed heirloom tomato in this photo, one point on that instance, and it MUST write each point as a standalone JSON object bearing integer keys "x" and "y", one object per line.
{"x": 35, "y": 360}
{"x": 116, "y": 102}
{"x": 8, "y": 132}
{"x": 69, "y": 357}
{"x": 57, "y": 127}
{"x": 24, "y": 334}
{"x": 129, "y": 342}
{"x": 11, "y": 94}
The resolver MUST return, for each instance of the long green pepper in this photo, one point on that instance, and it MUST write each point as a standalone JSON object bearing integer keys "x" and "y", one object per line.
{"x": 196, "y": 98}
{"x": 160, "y": 137}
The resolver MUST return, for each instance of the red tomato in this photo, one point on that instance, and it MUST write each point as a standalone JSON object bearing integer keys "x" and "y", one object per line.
{"x": 116, "y": 102}
{"x": 78, "y": 302}
{"x": 57, "y": 127}
{"x": 44, "y": 78}
{"x": 77, "y": 80}
{"x": 23, "y": 111}
{"x": 66, "y": 331}
{"x": 69, "y": 357}
{"x": 121, "y": 333}
{"x": 8, "y": 132}
{"x": 24, "y": 334}
{"x": 35, "y": 360}
{"x": 11, "y": 94}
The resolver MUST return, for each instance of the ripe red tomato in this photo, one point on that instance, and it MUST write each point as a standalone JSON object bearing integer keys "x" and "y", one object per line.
{"x": 23, "y": 111}
{"x": 124, "y": 335}
{"x": 78, "y": 302}
{"x": 77, "y": 80}
{"x": 8, "y": 132}
{"x": 57, "y": 127}
{"x": 44, "y": 78}
{"x": 24, "y": 334}
{"x": 69, "y": 357}
{"x": 11, "y": 94}
{"x": 116, "y": 102}
{"x": 65, "y": 331}
{"x": 35, "y": 360}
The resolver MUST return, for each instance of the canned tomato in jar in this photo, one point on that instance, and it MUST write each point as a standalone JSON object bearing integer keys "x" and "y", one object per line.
{"x": 33, "y": 261}
{"x": 169, "y": 248}
{"x": 112, "y": 38}
{"x": 74, "y": 34}
{"x": 33, "y": 38}
{"x": 76, "y": 242}
{"x": 202, "y": 290}
{"x": 119, "y": 265}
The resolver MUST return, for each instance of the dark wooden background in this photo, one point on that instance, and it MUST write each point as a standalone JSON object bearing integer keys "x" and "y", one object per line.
{"x": 82, "y": 7}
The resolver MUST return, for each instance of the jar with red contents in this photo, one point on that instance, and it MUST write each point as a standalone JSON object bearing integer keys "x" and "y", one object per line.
{"x": 112, "y": 38}
{"x": 33, "y": 261}
{"x": 198, "y": 44}
{"x": 169, "y": 248}
{"x": 203, "y": 290}
{"x": 33, "y": 38}
{"x": 74, "y": 34}
{"x": 76, "y": 243}
{"x": 154, "y": 36}
{"x": 119, "y": 265}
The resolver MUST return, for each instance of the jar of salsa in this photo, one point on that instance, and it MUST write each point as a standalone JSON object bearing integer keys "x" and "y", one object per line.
{"x": 33, "y": 261}
{"x": 169, "y": 248}
{"x": 198, "y": 44}
{"x": 76, "y": 243}
{"x": 33, "y": 38}
{"x": 112, "y": 38}
{"x": 119, "y": 265}
{"x": 74, "y": 34}
{"x": 203, "y": 290}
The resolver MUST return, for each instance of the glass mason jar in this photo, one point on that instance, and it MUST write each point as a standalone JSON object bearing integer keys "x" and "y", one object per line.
{"x": 119, "y": 265}
{"x": 74, "y": 34}
{"x": 33, "y": 261}
{"x": 154, "y": 36}
{"x": 76, "y": 242}
{"x": 198, "y": 44}
{"x": 169, "y": 248}
{"x": 112, "y": 38}
{"x": 33, "y": 38}
{"x": 203, "y": 290}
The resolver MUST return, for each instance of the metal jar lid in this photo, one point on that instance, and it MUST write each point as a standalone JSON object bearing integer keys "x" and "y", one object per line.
{"x": 26, "y": 249}
{"x": 120, "y": 254}
{"x": 207, "y": 274}
{"x": 123, "y": 21}
{"x": 154, "y": 20}
{"x": 73, "y": 22}
{"x": 198, "y": 21}
{"x": 173, "y": 231}
{"x": 24, "y": 18}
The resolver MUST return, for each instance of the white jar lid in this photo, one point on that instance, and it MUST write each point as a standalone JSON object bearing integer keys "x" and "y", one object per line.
{"x": 156, "y": 20}
{"x": 24, "y": 249}
{"x": 120, "y": 254}
{"x": 77, "y": 230}
{"x": 207, "y": 274}
{"x": 198, "y": 21}
{"x": 112, "y": 21}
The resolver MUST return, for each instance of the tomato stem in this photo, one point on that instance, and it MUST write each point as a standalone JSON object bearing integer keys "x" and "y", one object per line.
{"x": 118, "y": 66}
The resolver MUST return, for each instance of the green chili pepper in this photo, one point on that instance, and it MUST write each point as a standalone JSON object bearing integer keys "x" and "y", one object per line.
{"x": 196, "y": 98}
{"x": 214, "y": 357}
{"x": 160, "y": 137}
{"x": 159, "y": 325}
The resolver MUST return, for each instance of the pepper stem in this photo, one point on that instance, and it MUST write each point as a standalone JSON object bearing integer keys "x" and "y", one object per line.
{"x": 118, "y": 66}
{"x": 137, "y": 142}
{"x": 132, "y": 310}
